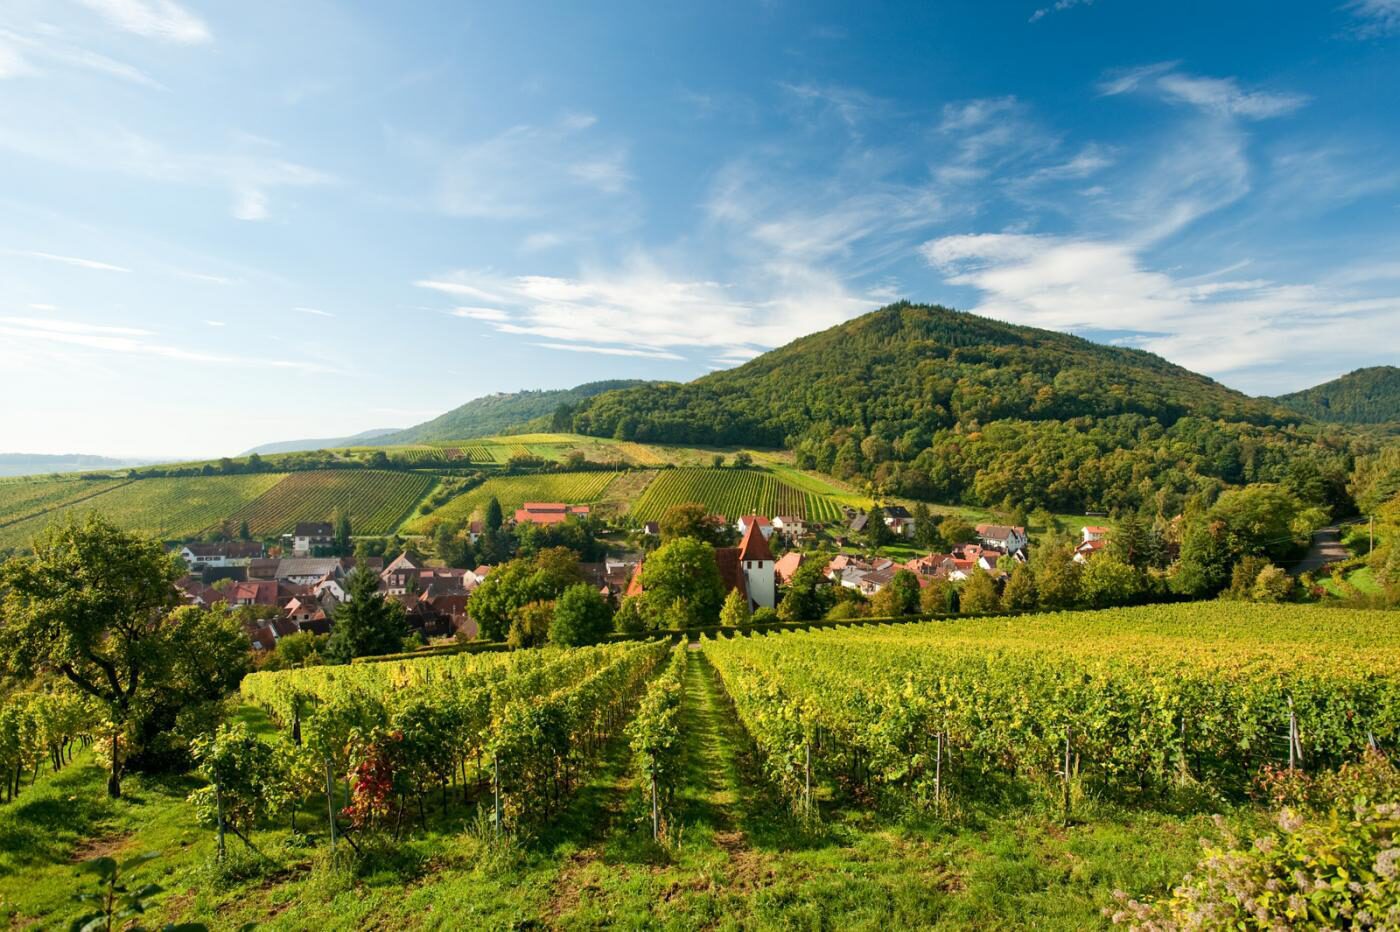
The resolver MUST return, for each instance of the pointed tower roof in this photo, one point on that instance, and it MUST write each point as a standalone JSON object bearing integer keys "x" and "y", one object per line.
{"x": 754, "y": 546}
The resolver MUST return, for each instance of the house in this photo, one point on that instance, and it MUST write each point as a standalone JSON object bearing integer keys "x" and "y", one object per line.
{"x": 265, "y": 636}
{"x": 252, "y": 592}
{"x": 899, "y": 520}
{"x": 401, "y": 575}
{"x": 651, "y": 529}
{"x": 836, "y": 565}
{"x": 264, "y": 568}
{"x": 1003, "y": 537}
{"x": 857, "y": 525}
{"x": 1095, "y": 532}
{"x": 748, "y": 521}
{"x": 549, "y": 513}
{"x": 875, "y": 580}
{"x": 1089, "y": 548}
{"x": 475, "y": 530}
{"x": 310, "y": 536}
{"x": 221, "y": 554}
{"x": 786, "y": 566}
{"x": 790, "y": 526}
{"x": 307, "y": 571}
{"x": 332, "y": 585}
{"x": 933, "y": 565}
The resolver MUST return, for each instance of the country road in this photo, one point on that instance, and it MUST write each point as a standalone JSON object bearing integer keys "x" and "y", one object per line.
{"x": 1326, "y": 548}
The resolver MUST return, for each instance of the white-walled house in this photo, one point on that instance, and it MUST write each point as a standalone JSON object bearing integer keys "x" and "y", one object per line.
{"x": 1004, "y": 537}
{"x": 763, "y": 524}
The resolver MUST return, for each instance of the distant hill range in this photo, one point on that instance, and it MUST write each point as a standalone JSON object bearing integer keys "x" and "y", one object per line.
{"x": 1365, "y": 396}
{"x": 496, "y": 414}
{"x": 33, "y": 464}
{"x": 363, "y": 438}
{"x": 942, "y": 405}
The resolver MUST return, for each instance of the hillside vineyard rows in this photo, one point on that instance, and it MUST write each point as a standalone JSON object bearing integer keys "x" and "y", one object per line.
{"x": 377, "y": 501}
{"x": 513, "y": 491}
{"x": 732, "y": 493}
{"x": 1135, "y": 700}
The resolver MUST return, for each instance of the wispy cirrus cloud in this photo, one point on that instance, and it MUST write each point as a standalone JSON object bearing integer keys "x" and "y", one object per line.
{"x": 246, "y": 169}
{"x": 24, "y": 55}
{"x": 1221, "y": 96}
{"x": 75, "y": 261}
{"x": 154, "y": 19}
{"x": 1057, "y": 7}
{"x": 39, "y": 332}
{"x": 1375, "y": 17}
{"x": 313, "y": 311}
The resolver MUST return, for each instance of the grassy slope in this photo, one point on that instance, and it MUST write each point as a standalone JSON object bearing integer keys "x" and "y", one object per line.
{"x": 738, "y": 862}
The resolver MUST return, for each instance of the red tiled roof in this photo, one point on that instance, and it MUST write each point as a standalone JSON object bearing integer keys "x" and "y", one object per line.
{"x": 754, "y": 546}
{"x": 787, "y": 565}
{"x": 731, "y": 572}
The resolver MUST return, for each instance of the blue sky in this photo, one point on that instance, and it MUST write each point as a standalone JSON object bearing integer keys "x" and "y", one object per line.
{"x": 228, "y": 223}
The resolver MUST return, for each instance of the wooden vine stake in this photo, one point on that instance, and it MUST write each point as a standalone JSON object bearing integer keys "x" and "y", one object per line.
{"x": 1295, "y": 743}
{"x": 330, "y": 800}
{"x": 938, "y": 774}
{"x": 808, "y": 777}
{"x": 655, "y": 812}
{"x": 496, "y": 787}
{"x": 1067, "y": 774}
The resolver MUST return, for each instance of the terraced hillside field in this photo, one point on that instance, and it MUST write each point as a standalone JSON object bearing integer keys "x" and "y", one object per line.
{"x": 27, "y": 498}
{"x": 733, "y": 492}
{"x": 575, "y": 488}
{"x": 169, "y": 508}
{"x": 377, "y": 501}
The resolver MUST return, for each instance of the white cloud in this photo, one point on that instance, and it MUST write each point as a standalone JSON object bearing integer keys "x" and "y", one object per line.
{"x": 215, "y": 323}
{"x": 1257, "y": 331}
{"x": 480, "y": 313}
{"x": 646, "y": 311}
{"x": 1221, "y": 96}
{"x": 1375, "y": 17}
{"x": 250, "y": 204}
{"x": 89, "y": 145}
{"x": 525, "y": 171}
{"x": 1057, "y": 7}
{"x": 314, "y": 311}
{"x": 155, "y": 19}
{"x": 609, "y": 350}
{"x": 31, "y": 334}
{"x": 67, "y": 260}
{"x": 16, "y": 49}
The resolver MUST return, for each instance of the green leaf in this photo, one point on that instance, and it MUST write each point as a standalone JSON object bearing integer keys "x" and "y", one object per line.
{"x": 104, "y": 867}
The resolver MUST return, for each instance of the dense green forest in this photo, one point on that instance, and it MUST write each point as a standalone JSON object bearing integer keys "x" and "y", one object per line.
{"x": 495, "y": 414}
{"x": 1365, "y": 396}
{"x": 934, "y": 403}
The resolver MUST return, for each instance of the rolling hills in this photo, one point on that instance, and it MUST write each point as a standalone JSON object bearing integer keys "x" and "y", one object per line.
{"x": 1363, "y": 396}
{"x": 937, "y": 404}
{"x": 495, "y": 414}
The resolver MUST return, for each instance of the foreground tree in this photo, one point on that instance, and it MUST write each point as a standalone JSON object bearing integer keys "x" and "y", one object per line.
{"x": 735, "y": 611}
{"x": 367, "y": 624}
{"x": 979, "y": 593}
{"x": 692, "y": 519}
{"x": 581, "y": 616}
{"x": 90, "y": 605}
{"x": 681, "y": 583}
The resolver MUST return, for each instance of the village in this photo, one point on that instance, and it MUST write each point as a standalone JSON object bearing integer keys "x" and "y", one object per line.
{"x": 297, "y": 585}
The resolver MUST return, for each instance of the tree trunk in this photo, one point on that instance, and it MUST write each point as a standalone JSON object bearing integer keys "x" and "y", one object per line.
{"x": 114, "y": 780}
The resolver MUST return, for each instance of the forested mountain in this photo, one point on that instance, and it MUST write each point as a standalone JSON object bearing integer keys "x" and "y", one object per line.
{"x": 938, "y": 404}
{"x": 1365, "y": 396}
{"x": 496, "y": 414}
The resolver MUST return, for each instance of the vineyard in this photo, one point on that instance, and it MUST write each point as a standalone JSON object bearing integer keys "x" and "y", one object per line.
{"x": 1123, "y": 701}
{"x": 169, "y": 508}
{"x": 732, "y": 492}
{"x": 513, "y": 491}
{"x": 28, "y": 498}
{"x": 529, "y": 723}
{"x": 377, "y": 501}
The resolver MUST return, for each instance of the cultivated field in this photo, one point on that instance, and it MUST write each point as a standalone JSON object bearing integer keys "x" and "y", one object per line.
{"x": 512, "y": 491}
{"x": 377, "y": 501}
{"x": 168, "y": 508}
{"x": 732, "y": 492}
